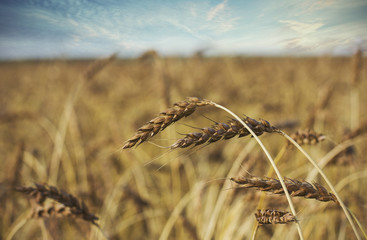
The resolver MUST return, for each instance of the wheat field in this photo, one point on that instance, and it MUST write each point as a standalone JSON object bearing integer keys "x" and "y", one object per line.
{"x": 68, "y": 171}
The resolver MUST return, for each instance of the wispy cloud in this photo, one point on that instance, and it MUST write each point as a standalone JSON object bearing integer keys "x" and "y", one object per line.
{"x": 320, "y": 4}
{"x": 216, "y": 10}
{"x": 302, "y": 28}
{"x": 292, "y": 43}
{"x": 220, "y": 18}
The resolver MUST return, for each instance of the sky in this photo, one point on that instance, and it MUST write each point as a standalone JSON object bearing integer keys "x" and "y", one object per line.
{"x": 97, "y": 28}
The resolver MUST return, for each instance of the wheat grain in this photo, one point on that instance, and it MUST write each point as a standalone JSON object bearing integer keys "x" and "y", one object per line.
{"x": 357, "y": 66}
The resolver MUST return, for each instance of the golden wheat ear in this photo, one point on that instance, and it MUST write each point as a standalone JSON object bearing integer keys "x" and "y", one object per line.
{"x": 164, "y": 119}
{"x": 307, "y": 137}
{"x": 224, "y": 131}
{"x": 295, "y": 188}
{"x": 270, "y": 216}
{"x": 73, "y": 206}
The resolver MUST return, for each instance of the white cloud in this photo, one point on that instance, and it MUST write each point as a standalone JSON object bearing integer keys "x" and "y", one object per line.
{"x": 320, "y": 4}
{"x": 292, "y": 43}
{"x": 73, "y": 22}
{"x": 42, "y": 15}
{"x": 215, "y": 10}
{"x": 220, "y": 19}
{"x": 302, "y": 28}
{"x": 300, "y": 45}
{"x": 192, "y": 10}
{"x": 179, "y": 25}
{"x": 227, "y": 25}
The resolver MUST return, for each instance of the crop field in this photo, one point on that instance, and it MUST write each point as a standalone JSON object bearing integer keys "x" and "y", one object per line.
{"x": 141, "y": 148}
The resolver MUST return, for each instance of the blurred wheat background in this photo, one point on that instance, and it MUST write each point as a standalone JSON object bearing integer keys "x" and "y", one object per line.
{"x": 64, "y": 122}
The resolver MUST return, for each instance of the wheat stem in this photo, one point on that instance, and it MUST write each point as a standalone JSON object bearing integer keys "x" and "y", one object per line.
{"x": 178, "y": 209}
{"x": 222, "y": 196}
{"x": 18, "y": 224}
{"x": 270, "y": 171}
{"x": 271, "y": 162}
{"x": 358, "y": 223}
{"x": 255, "y": 231}
{"x": 348, "y": 179}
{"x": 332, "y": 154}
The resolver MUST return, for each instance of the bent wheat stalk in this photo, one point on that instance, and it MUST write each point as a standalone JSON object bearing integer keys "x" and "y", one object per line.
{"x": 208, "y": 236}
{"x": 341, "y": 203}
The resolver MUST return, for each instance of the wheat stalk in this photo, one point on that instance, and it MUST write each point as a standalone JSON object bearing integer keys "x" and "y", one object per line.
{"x": 97, "y": 66}
{"x": 317, "y": 167}
{"x": 208, "y": 234}
{"x": 65, "y": 118}
{"x": 325, "y": 95}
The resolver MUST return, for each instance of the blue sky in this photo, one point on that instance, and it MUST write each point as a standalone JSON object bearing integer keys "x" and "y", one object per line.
{"x": 96, "y": 28}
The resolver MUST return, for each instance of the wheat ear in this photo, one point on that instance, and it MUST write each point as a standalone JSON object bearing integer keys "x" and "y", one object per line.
{"x": 296, "y": 188}
{"x": 224, "y": 131}
{"x": 164, "y": 119}
{"x": 307, "y": 137}
{"x": 270, "y": 216}
{"x": 41, "y": 192}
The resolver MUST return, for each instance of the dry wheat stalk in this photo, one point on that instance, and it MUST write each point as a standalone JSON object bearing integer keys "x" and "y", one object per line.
{"x": 13, "y": 174}
{"x": 307, "y": 137}
{"x": 164, "y": 119}
{"x": 287, "y": 195}
{"x": 148, "y": 56}
{"x": 357, "y": 66}
{"x": 295, "y": 188}
{"x": 10, "y": 117}
{"x": 270, "y": 216}
{"x": 189, "y": 226}
{"x": 40, "y": 193}
{"x": 347, "y": 156}
{"x": 360, "y": 130}
{"x": 97, "y": 66}
{"x": 325, "y": 95}
{"x": 224, "y": 131}
{"x": 135, "y": 196}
